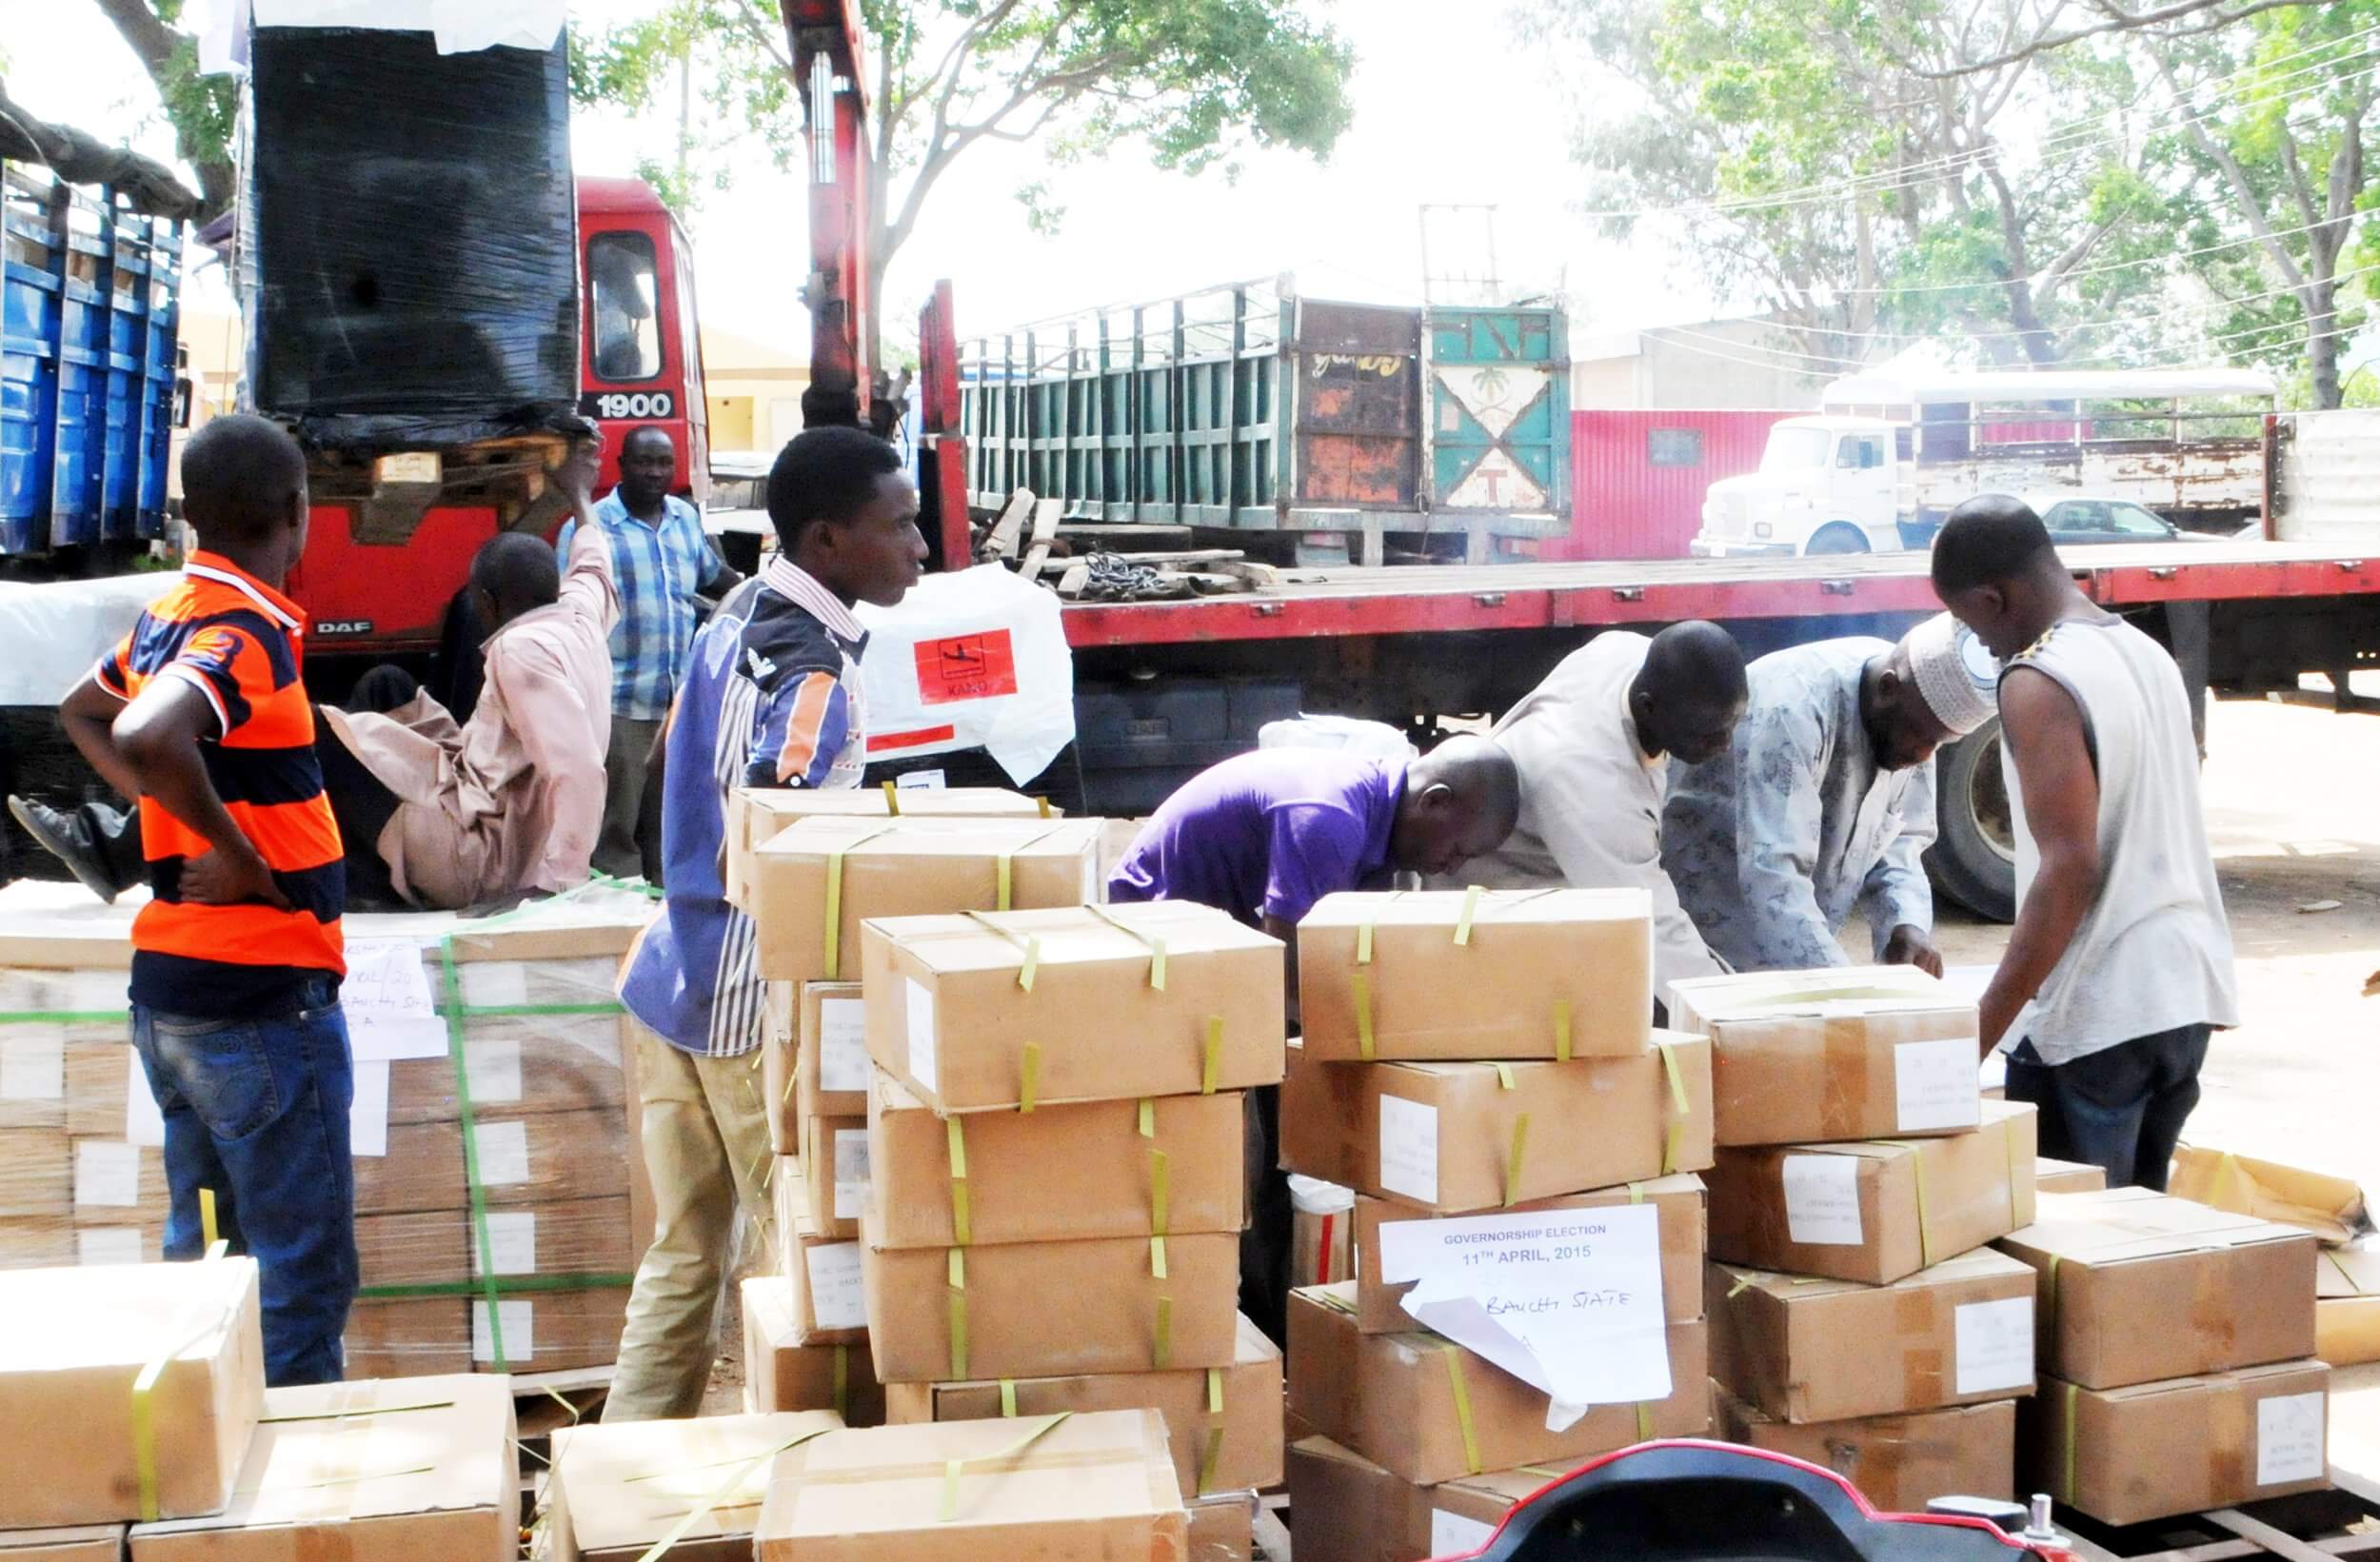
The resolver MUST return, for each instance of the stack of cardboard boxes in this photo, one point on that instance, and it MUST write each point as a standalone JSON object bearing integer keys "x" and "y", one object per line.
{"x": 2177, "y": 1356}
{"x": 1853, "y": 1320}
{"x": 493, "y": 1126}
{"x": 139, "y": 1424}
{"x": 1479, "y": 1069}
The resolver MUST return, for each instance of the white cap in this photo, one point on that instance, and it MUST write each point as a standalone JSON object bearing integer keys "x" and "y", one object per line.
{"x": 1958, "y": 678}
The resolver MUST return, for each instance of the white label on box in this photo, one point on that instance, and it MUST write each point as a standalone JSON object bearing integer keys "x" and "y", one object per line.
{"x": 143, "y": 1123}
{"x": 1409, "y": 1148}
{"x": 519, "y": 1318}
{"x": 106, "y": 1173}
{"x": 850, "y": 1173}
{"x": 512, "y": 1240}
{"x": 923, "y": 1055}
{"x": 1451, "y": 1535}
{"x": 386, "y": 1000}
{"x": 494, "y": 984}
{"x": 1823, "y": 1200}
{"x": 111, "y": 1245}
{"x": 367, "y": 1109}
{"x": 33, "y": 1064}
{"x": 493, "y": 1070}
{"x": 1938, "y": 1083}
{"x": 1994, "y": 1341}
{"x": 835, "y": 1299}
{"x": 843, "y": 1044}
{"x": 925, "y": 780}
{"x": 2288, "y": 1439}
{"x": 504, "y": 1153}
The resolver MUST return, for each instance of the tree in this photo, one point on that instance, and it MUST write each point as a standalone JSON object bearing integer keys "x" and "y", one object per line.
{"x": 1194, "y": 81}
{"x": 202, "y": 109}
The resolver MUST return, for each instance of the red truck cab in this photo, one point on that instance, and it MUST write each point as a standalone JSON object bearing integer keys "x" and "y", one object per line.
{"x": 639, "y": 362}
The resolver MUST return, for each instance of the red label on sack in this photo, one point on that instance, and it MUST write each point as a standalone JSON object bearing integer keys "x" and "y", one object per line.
{"x": 957, "y": 667}
{"x": 886, "y": 742}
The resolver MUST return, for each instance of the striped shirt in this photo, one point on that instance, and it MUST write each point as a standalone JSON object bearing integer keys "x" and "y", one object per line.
{"x": 771, "y": 699}
{"x": 237, "y": 641}
{"x": 657, "y": 570}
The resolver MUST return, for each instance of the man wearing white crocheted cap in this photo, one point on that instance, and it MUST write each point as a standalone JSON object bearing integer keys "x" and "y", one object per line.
{"x": 1824, "y": 802}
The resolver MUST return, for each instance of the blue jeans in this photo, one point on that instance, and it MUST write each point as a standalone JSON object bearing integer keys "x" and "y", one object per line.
{"x": 2121, "y": 1109}
{"x": 256, "y": 1109}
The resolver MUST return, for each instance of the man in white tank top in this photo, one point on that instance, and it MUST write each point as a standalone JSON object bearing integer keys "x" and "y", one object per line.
{"x": 2120, "y": 963}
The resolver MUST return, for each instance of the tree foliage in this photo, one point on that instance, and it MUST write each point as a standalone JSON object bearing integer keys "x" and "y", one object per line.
{"x": 1195, "y": 82}
{"x": 202, "y": 109}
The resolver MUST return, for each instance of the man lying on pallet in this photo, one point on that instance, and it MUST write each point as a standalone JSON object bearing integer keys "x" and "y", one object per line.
{"x": 436, "y": 816}
{"x": 1263, "y": 836}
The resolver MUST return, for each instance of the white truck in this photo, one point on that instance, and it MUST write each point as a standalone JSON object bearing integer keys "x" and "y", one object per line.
{"x": 1889, "y": 454}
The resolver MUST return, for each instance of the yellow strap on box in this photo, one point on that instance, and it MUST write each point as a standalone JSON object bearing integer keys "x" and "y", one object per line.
{"x": 206, "y": 1228}
{"x": 728, "y": 1487}
{"x": 1154, "y": 944}
{"x": 1925, "y": 1221}
{"x": 1211, "y": 1072}
{"x": 1003, "y": 897}
{"x": 1032, "y": 963}
{"x": 1363, "y": 944}
{"x": 1684, "y": 1107}
{"x": 1044, "y": 807}
{"x": 1008, "y": 1399}
{"x": 834, "y": 902}
{"x": 957, "y": 1315}
{"x": 145, "y": 1416}
{"x": 951, "y": 1468}
{"x": 1360, "y": 990}
{"x": 961, "y": 1210}
{"x": 1029, "y": 1087}
{"x": 1743, "y": 1283}
{"x": 1635, "y": 1193}
{"x": 1213, "y": 1457}
{"x": 1644, "y": 1422}
{"x": 843, "y": 1383}
{"x": 1160, "y": 1209}
{"x": 1561, "y": 1030}
{"x": 2073, "y": 1421}
{"x": 892, "y": 799}
{"x": 1512, "y": 1168}
{"x": 1462, "y": 925}
{"x": 1162, "y": 1356}
{"x": 1504, "y": 1079}
{"x": 1462, "y": 1408}
{"x": 1148, "y": 1117}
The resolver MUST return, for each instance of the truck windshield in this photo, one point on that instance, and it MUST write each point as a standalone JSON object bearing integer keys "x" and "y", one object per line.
{"x": 1796, "y": 449}
{"x": 622, "y": 295}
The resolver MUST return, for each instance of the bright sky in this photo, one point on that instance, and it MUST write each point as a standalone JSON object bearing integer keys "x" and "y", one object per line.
{"x": 1466, "y": 118}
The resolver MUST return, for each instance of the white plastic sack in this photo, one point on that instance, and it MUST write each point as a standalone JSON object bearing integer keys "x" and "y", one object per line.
{"x": 1375, "y": 739}
{"x": 972, "y": 660}
{"x": 58, "y": 630}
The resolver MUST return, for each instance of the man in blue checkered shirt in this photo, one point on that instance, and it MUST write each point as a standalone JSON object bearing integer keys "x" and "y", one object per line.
{"x": 662, "y": 561}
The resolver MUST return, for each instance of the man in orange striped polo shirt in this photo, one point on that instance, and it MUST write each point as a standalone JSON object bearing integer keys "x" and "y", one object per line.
{"x": 202, "y": 715}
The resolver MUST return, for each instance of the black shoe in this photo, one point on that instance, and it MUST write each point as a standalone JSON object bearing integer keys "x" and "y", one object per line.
{"x": 89, "y": 842}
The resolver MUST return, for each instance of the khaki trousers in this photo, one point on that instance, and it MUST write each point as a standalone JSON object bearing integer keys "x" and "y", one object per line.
{"x": 707, "y": 1152}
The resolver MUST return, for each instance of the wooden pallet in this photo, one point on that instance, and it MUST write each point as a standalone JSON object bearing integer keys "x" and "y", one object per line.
{"x": 2315, "y": 1527}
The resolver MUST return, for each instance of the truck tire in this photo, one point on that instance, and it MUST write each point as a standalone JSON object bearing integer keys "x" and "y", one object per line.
{"x": 1838, "y": 537}
{"x": 1974, "y": 856}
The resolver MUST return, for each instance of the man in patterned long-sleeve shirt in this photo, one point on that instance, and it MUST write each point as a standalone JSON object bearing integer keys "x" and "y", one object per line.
{"x": 1824, "y": 802}
{"x": 772, "y": 698}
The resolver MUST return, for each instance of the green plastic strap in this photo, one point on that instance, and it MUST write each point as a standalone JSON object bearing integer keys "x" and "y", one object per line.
{"x": 516, "y": 1285}
{"x": 66, "y": 1017}
{"x": 1361, "y": 991}
{"x": 1635, "y": 1193}
{"x": 1148, "y": 1118}
{"x": 1462, "y": 1407}
{"x": 1213, "y": 1457}
{"x": 2073, "y": 1416}
{"x": 1160, "y": 1210}
{"x": 957, "y": 1315}
{"x": 1512, "y": 1168}
{"x": 1008, "y": 1399}
{"x": 1644, "y": 1422}
{"x": 1469, "y": 910}
{"x": 492, "y": 1011}
{"x": 478, "y": 1189}
{"x": 952, "y": 1467}
{"x": 1363, "y": 944}
{"x": 1030, "y": 1086}
{"x": 962, "y": 1211}
{"x": 1211, "y": 1071}
{"x": 1162, "y": 1356}
{"x": 1561, "y": 1030}
{"x": 729, "y": 1487}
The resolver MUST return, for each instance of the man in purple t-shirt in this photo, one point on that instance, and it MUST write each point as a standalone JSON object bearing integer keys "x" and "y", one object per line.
{"x": 1263, "y": 836}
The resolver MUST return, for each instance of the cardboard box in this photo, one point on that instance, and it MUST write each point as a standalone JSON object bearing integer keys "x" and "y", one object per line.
{"x": 535, "y": 1159}
{"x": 1321, "y": 1232}
{"x": 2066, "y": 1176}
{"x": 439, "y": 1247}
{"x": 52, "y": 1072}
{"x": 835, "y": 1171}
{"x": 36, "y": 1174}
{"x": 412, "y": 1336}
{"x": 823, "y": 1275}
{"x": 1052, "y": 1309}
{"x": 2224, "y": 1291}
{"x": 2347, "y": 1308}
{"x": 783, "y": 1372}
{"x": 1441, "y": 1135}
{"x": 1055, "y": 1174}
{"x": 366, "y": 1472}
{"x": 1853, "y": 1211}
{"x": 1378, "y": 1306}
{"x": 118, "y": 1183}
{"x": 100, "y": 1070}
{"x": 1791, "y": 1064}
{"x": 1900, "y": 1462}
{"x": 779, "y": 1061}
{"x": 1365, "y": 1513}
{"x": 36, "y": 1242}
{"x": 1222, "y": 1529}
{"x": 815, "y": 1061}
{"x": 907, "y": 867}
{"x": 75, "y": 1543}
{"x": 543, "y": 1331}
{"x": 2153, "y": 1450}
{"x": 1223, "y": 1426}
{"x": 2330, "y": 1207}
{"x": 1165, "y": 998}
{"x": 1391, "y": 1397}
{"x": 1449, "y": 974}
{"x": 1093, "y": 1487}
{"x": 1695, "y": 1001}
{"x": 756, "y": 814}
{"x": 1812, "y": 1351}
{"x": 77, "y": 1342}
{"x": 620, "y": 1489}
{"x": 519, "y": 1063}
